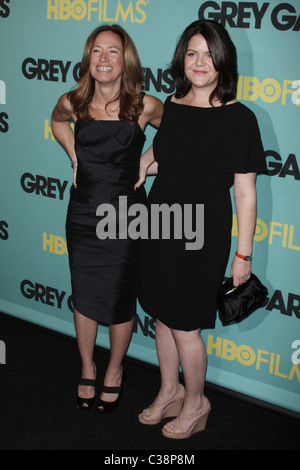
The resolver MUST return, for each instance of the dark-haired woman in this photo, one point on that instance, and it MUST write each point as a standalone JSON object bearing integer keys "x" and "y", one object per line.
{"x": 110, "y": 115}
{"x": 206, "y": 143}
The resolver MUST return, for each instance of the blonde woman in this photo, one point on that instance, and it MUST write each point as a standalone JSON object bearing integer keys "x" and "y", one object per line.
{"x": 110, "y": 114}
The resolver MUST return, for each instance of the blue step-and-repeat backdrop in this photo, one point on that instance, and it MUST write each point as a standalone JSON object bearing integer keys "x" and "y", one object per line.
{"x": 41, "y": 47}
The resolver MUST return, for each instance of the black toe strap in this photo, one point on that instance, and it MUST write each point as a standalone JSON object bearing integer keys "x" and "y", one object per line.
{"x": 111, "y": 389}
{"x": 87, "y": 382}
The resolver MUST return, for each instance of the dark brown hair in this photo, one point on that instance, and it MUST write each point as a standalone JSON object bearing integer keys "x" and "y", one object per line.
{"x": 131, "y": 104}
{"x": 223, "y": 55}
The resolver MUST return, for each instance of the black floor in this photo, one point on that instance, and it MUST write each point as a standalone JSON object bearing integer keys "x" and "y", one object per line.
{"x": 37, "y": 405}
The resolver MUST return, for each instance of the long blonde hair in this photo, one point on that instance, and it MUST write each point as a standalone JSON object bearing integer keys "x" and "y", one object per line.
{"x": 131, "y": 102}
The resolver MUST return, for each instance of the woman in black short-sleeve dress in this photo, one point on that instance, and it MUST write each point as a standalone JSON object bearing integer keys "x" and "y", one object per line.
{"x": 206, "y": 143}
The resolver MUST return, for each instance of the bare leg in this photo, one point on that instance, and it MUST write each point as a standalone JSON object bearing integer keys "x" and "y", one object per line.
{"x": 168, "y": 358}
{"x": 119, "y": 336}
{"x": 169, "y": 369}
{"x": 193, "y": 359}
{"x": 86, "y": 331}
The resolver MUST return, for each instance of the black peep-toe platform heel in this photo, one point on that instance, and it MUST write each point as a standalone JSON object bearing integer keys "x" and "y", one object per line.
{"x": 86, "y": 403}
{"x": 109, "y": 407}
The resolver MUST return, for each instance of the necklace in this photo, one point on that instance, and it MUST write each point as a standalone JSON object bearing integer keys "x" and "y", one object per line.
{"x": 102, "y": 109}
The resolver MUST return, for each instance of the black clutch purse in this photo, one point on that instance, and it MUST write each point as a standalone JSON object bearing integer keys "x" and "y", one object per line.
{"x": 236, "y": 303}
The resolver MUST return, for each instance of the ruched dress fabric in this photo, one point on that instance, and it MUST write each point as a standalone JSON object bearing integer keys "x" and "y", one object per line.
{"x": 198, "y": 150}
{"x": 104, "y": 272}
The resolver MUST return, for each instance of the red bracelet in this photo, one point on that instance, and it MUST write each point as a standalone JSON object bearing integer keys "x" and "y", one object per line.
{"x": 245, "y": 258}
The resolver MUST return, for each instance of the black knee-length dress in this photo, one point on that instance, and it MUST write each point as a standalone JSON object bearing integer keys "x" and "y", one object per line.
{"x": 198, "y": 150}
{"x": 104, "y": 272}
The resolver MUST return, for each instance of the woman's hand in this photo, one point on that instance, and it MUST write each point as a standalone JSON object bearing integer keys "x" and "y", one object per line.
{"x": 142, "y": 178}
{"x": 74, "y": 164}
{"x": 148, "y": 166}
{"x": 240, "y": 271}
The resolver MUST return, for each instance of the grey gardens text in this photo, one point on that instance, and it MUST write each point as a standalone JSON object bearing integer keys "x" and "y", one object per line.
{"x": 114, "y": 223}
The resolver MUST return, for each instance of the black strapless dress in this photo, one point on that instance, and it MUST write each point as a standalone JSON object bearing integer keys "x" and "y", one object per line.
{"x": 104, "y": 272}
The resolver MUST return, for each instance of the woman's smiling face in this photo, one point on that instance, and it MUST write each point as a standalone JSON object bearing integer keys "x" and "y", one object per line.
{"x": 198, "y": 64}
{"x": 106, "y": 58}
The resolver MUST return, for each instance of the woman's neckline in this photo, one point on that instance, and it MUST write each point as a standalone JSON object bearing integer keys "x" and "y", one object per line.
{"x": 135, "y": 123}
{"x": 204, "y": 107}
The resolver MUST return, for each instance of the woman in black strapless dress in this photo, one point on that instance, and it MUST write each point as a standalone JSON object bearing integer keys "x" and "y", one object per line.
{"x": 110, "y": 115}
{"x": 206, "y": 143}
